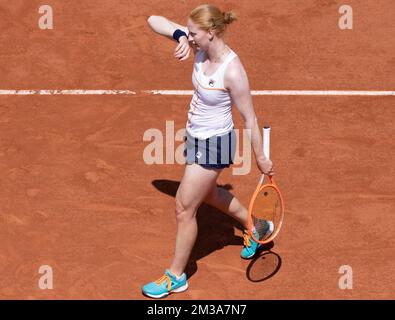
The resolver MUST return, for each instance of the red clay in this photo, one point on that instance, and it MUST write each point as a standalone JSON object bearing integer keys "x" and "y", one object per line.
{"x": 77, "y": 195}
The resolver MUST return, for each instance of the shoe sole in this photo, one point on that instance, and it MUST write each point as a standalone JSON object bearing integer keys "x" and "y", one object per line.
{"x": 249, "y": 257}
{"x": 165, "y": 294}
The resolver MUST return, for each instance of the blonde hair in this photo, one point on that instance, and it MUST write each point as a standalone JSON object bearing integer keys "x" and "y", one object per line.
{"x": 210, "y": 17}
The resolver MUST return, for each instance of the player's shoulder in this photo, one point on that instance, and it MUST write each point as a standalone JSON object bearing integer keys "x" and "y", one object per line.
{"x": 235, "y": 64}
{"x": 234, "y": 71}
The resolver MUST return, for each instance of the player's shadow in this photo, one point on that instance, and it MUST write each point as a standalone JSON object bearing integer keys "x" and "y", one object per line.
{"x": 215, "y": 228}
{"x": 264, "y": 265}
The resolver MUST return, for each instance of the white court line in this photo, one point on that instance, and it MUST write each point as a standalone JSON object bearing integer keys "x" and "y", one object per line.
{"x": 190, "y": 92}
{"x": 287, "y": 92}
{"x": 65, "y": 92}
{"x": 170, "y": 92}
{"x": 322, "y": 93}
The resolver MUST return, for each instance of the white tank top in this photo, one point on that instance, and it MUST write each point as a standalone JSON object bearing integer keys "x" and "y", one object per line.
{"x": 210, "y": 110}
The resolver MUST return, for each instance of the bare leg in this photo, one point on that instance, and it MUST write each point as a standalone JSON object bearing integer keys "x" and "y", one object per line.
{"x": 226, "y": 202}
{"x": 195, "y": 185}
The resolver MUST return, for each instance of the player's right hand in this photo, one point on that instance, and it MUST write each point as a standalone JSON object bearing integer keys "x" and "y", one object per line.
{"x": 265, "y": 166}
{"x": 183, "y": 49}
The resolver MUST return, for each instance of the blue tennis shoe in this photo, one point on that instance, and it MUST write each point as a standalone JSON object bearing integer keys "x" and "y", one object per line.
{"x": 165, "y": 285}
{"x": 250, "y": 245}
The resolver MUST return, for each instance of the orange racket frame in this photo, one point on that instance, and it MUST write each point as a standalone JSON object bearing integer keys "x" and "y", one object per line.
{"x": 259, "y": 187}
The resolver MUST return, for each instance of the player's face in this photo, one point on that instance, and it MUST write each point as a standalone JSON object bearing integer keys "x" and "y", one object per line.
{"x": 198, "y": 37}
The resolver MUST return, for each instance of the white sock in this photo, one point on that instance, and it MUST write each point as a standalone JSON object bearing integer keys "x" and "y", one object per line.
{"x": 177, "y": 277}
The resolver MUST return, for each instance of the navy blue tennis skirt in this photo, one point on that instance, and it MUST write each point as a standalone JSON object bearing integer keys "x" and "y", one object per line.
{"x": 216, "y": 152}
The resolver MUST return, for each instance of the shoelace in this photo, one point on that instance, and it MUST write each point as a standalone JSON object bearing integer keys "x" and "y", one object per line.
{"x": 246, "y": 238}
{"x": 164, "y": 278}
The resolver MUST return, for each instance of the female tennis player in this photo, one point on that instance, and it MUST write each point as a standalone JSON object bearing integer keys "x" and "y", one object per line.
{"x": 220, "y": 80}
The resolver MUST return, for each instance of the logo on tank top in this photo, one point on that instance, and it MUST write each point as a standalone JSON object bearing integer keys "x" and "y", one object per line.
{"x": 211, "y": 83}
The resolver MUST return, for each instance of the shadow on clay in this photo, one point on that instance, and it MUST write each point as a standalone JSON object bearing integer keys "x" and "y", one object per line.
{"x": 215, "y": 231}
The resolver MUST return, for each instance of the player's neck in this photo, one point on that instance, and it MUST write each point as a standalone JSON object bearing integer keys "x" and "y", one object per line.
{"x": 218, "y": 52}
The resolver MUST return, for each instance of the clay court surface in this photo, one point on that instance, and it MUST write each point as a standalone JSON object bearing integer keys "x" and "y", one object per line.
{"x": 77, "y": 195}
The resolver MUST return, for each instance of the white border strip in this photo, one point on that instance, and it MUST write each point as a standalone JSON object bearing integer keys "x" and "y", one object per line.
{"x": 190, "y": 92}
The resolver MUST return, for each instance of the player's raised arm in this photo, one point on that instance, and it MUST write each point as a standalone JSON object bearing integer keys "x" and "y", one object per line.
{"x": 164, "y": 26}
{"x": 172, "y": 30}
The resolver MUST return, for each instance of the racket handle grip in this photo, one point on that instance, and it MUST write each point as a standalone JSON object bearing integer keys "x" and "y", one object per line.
{"x": 266, "y": 141}
{"x": 266, "y": 148}
{"x": 262, "y": 179}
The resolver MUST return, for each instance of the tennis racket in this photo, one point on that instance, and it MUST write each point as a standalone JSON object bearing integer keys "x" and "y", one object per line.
{"x": 266, "y": 209}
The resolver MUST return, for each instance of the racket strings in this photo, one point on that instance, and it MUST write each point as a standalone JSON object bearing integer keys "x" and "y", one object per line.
{"x": 263, "y": 228}
{"x": 266, "y": 213}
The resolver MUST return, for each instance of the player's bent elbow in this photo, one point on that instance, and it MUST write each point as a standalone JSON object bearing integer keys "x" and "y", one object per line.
{"x": 149, "y": 20}
{"x": 152, "y": 20}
